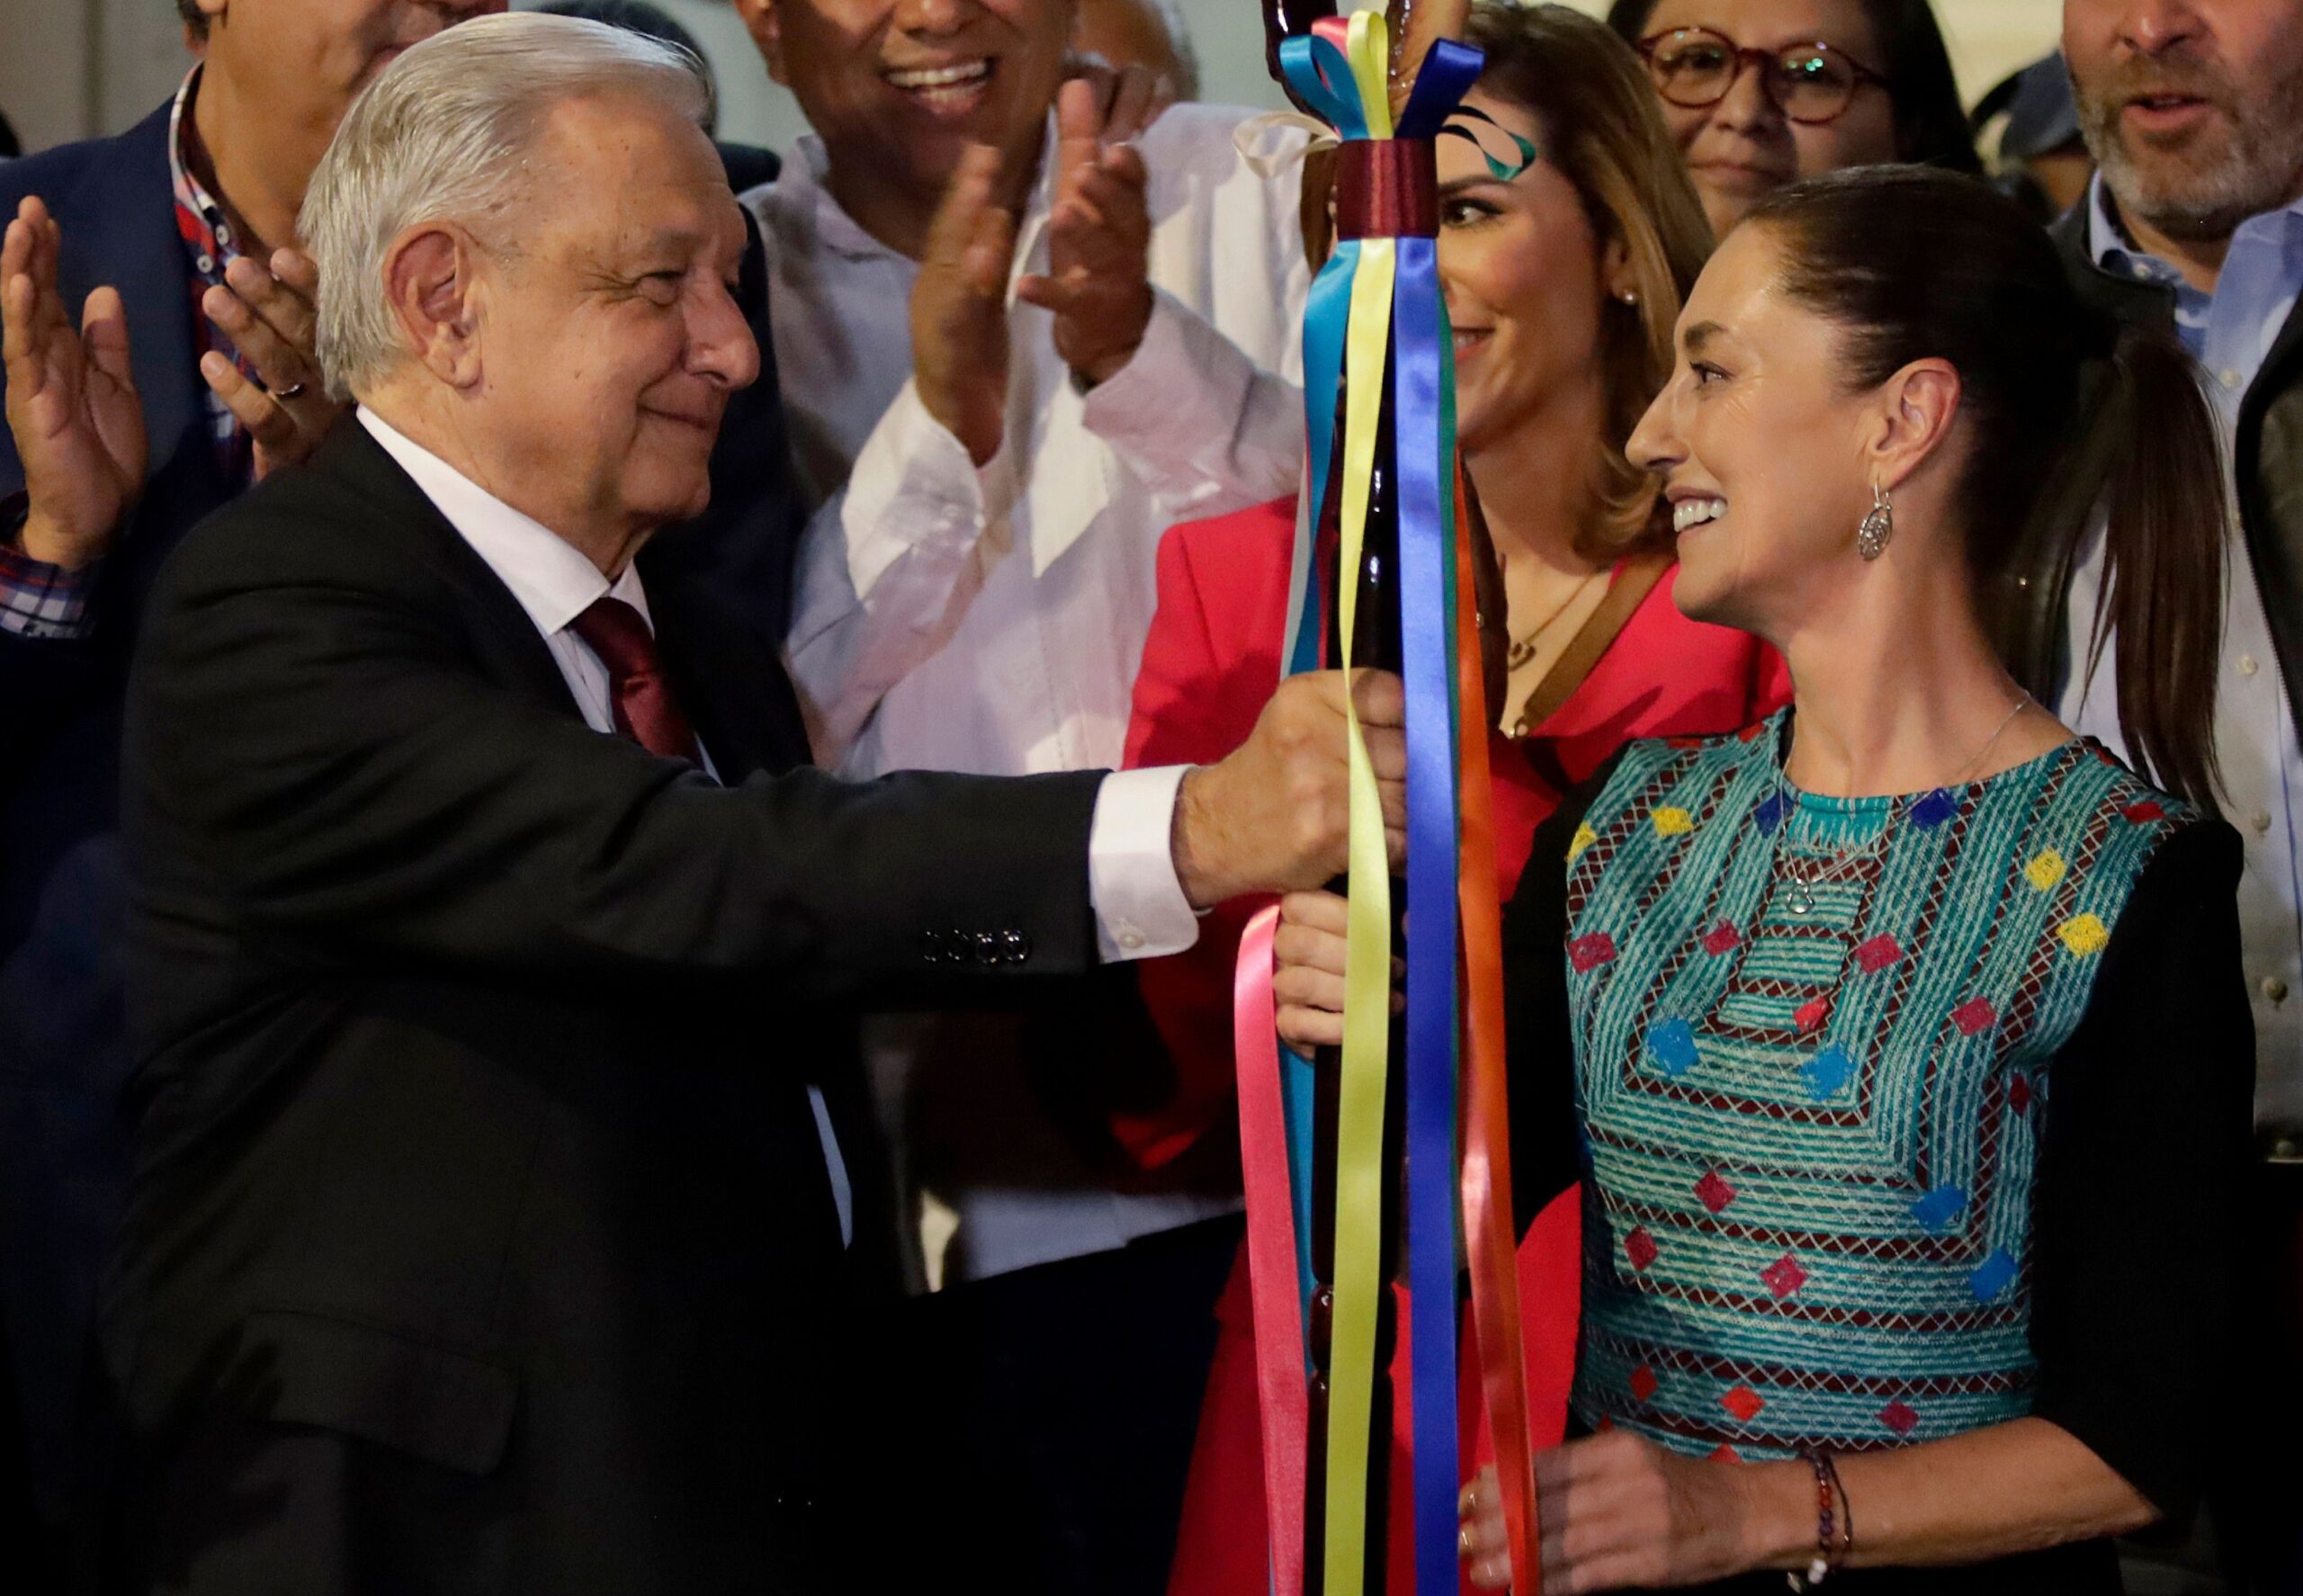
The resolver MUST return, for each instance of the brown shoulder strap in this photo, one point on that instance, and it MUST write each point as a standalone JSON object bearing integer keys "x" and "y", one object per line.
{"x": 1635, "y": 579}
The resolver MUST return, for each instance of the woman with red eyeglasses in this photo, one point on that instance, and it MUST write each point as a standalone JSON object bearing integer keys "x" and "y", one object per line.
{"x": 1762, "y": 92}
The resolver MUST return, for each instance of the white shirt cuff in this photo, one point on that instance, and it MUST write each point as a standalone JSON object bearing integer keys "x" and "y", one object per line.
{"x": 1141, "y": 909}
{"x": 1156, "y": 408}
{"x": 912, "y": 487}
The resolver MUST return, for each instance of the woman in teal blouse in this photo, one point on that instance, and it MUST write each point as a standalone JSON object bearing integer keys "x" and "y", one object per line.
{"x": 1911, "y": 1063}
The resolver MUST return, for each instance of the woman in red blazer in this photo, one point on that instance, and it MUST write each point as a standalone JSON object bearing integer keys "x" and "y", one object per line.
{"x": 1562, "y": 286}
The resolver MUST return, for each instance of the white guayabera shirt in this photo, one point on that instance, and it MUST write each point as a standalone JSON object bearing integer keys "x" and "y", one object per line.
{"x": 993, "y": 620}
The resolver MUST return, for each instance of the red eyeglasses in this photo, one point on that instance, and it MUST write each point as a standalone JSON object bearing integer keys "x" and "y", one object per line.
{"x": 1810, "y": 83}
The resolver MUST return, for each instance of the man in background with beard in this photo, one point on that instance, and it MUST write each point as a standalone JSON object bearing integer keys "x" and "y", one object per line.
{"x": 2193, "y": 112}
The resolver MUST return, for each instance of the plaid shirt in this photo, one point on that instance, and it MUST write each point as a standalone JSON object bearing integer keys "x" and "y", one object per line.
{"x": 41, "y": 600}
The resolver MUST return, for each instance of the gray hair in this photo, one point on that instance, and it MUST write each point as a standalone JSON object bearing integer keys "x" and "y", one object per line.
{"x": 443, "y": 134}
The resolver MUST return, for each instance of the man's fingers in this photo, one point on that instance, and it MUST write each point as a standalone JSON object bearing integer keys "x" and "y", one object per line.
{"x": 990, "y": 252}
{"x": 1132, "y": 103}
{"x": 287, "y": 371}
{"x": 103, "y": 332}
{"x": 1380, "y": 698}
{"x": 286, "y": 312}
{"x": 300, "y": 271}
{"x": 1386, "y": 752}
{"x": 965, "y": 199}
{"x": 1305, "y": 988}
{"x": 267, "y": 423}
{"x": 1079, "y": 116}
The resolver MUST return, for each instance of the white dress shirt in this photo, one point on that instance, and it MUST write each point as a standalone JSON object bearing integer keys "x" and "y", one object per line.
{"x": 993, "y": 620}
{"x": 2230, "y": 333}
{"x": 1140, "y": 907}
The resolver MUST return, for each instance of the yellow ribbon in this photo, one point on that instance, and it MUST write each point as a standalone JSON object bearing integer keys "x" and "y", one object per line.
{"x": 1367, "y": 959}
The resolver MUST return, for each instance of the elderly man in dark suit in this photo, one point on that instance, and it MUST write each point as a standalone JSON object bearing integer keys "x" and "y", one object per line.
{"x": 191, "y": 374}
{"x": 488, "y": 927}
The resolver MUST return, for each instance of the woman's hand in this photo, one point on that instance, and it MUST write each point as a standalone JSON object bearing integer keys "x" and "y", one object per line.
{"x": 1307, "y": 970}
{"x": 1619, "y": 1511}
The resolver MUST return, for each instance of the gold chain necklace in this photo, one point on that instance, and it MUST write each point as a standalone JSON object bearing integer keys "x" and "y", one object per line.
{"x": 1523, "y": 650}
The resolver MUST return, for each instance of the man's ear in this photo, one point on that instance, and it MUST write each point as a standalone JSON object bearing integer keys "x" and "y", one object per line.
{"x": 430, "y": 283}
{"x": 764, "y": 22}
{"x": 1917, "y": 408}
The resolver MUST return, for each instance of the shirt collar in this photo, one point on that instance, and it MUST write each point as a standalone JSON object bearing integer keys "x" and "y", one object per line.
{"x": 205, "y": 225}
{"x": 2111, "y": 246}
{"x": 801, "y": 188}
{"x": 551, "y": 577}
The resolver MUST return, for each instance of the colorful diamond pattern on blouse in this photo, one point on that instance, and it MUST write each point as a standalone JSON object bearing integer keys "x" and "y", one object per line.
{"x": 1934, "y": 810}
{"x": 2047, "y": 870}
{"x": 1810, "y": 1016}
{"x": 2084, "y": 936}
{"x": 1743, "y": 1402}
{"x": 1640, "y": 1248}
{"x": 1671, "y": 823}
{"x": 1720, "y": 938}
{"x": 2145, "y": 813}
{"x": 1672, "y": 1045}
{"x": 1769, "y": 814}
{"x": 2019, "y": 1093}
{"x": 1898, "y": 1416}
{"x": 1584, "y": 837}
{"x": 1714, "y": 1192}
{"x": 1975, "y": 1017}
{"x": 1587, "y": 953}
{"x": 1784, "y": 1276}
{"x": 1940, "y": 1207}
{"x": 1827, "y": 1071}
{"x": 1997, "y": 1273}
{"x": 1723, "y": 1453}
{"x": 1643, "y": 1382}
{"x": 1878, "y": 954}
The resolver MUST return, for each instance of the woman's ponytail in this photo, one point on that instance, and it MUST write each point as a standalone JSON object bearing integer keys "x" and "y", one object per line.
{"x": 2164, "y": 557}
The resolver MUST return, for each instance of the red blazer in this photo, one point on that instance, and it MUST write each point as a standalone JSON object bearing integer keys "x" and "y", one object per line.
{"x": 1210, "y": 662}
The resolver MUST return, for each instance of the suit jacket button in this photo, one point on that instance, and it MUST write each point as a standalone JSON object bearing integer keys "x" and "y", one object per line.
{"x": 935, "y": 948}
{"x": 987, "y": 949}
{"x": 1017, "y": 945}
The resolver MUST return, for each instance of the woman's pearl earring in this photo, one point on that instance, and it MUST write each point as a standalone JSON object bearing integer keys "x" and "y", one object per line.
{"x": 1878, "y": 527}
{"x": 1628, "y": 297}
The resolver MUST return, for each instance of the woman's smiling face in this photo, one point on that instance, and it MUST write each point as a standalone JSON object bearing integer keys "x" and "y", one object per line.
{"x": 1758, "y": 448}
{"x": 1525, "y": 274}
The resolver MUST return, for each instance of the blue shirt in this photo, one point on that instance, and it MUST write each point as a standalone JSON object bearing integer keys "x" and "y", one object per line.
{"x": 2231, "y": 332}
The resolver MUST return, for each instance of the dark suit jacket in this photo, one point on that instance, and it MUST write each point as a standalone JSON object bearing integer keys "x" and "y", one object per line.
{"x": 64, "y": 1053}
{"x": 63, "y": 1048}
{"x": 471, "y": 1053}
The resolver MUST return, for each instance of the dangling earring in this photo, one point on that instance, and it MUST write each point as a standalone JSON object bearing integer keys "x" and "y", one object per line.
{"x": 1878, "y": 527}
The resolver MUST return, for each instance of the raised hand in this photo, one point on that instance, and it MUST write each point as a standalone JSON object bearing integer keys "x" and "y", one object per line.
{"x": 1273, "y": 816}
{"x": 270, "y": 316}
{"x": 1098, "y": 282}
{"x": 959, "y": 306}
{"x": 72, "y": 405}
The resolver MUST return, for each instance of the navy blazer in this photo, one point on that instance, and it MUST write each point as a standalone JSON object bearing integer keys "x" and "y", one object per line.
{"x": 63, "y": 1047}
{"x": 64, "y": 1054}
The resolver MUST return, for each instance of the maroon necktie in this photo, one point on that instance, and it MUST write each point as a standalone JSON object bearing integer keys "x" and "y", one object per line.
{"x": 645, "y": 710}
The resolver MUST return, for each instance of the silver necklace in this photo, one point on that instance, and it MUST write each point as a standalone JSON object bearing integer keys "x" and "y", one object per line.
{"x": 1803, "y": 876}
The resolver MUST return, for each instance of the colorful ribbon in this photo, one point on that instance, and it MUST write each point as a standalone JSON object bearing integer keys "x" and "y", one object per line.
{"x": 1376, "y": 329}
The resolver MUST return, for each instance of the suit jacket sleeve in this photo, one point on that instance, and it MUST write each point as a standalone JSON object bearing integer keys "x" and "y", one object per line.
{"x": 314, "y": 751}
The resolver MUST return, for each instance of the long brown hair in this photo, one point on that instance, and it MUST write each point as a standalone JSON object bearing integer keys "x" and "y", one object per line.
{"x": 1915, "y": 264}
{"x": 1605, "y": 133}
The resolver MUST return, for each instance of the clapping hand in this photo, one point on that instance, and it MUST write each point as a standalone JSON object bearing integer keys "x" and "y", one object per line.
{"x": 270, "y": 315}
{"x": 1098, "y": 282}
{"x": 959, "y": 306}
{"x": 72, "y": 405}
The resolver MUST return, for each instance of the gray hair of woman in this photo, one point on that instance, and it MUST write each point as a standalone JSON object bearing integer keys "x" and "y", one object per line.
{"x": 447, "y": 132}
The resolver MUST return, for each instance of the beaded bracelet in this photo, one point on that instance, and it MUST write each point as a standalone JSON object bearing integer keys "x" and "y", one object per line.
{"x": 1834, "y": 1529}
